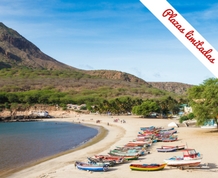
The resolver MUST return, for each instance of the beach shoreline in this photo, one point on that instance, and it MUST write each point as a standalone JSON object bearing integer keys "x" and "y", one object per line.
{"x": 120, "y": 133}
{"x": 102, "y": 132}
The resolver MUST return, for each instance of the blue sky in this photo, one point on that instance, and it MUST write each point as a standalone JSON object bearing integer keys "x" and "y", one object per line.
{"x": 115, "y": 35}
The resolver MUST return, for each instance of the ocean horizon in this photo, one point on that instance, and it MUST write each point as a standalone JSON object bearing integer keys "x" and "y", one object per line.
{"x": 23, "y": 143}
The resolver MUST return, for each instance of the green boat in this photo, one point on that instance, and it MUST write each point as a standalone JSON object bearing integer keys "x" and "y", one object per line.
{"x": 128, "y": 155}
{"x": 129, "y": 158}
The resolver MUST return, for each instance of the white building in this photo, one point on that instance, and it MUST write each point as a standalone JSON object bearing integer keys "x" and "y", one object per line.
{"x": 40, "y": 113}
{"x": 187, "y": 109}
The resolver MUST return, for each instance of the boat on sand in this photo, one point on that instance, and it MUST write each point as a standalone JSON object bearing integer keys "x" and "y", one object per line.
{"x": 190, "y": 158}
{"x": 147, "y": 167}
{"x": 170, "y": 148}
{"x": 100, "y": 162}
{"x": 116, "y": 159}
{"x": 90, "y": 167}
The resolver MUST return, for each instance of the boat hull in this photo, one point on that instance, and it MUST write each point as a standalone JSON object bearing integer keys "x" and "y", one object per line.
{"x": 179, "y": 163}
{"x": 128, "y": 158}
{"x": 116, "y": 159}
{"x": 169, "y": 140}
{"x": 147, "y": 167}
{"x": 166, "y": 149}
{"x": 170, "y": 148}
{"x": 113, "y": 153}
{"x": 89, "y": 167}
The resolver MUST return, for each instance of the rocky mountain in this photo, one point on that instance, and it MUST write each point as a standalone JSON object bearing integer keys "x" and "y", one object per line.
{"x": 16, "y": 51}
{"x": 175, "y": 87}
{"x": 117, "y": 75}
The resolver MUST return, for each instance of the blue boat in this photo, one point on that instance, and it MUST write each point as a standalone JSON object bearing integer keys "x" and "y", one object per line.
{"x": 167, "y": 149}
{"x": 90, "y": 167}
{"x": 147, "y": 128}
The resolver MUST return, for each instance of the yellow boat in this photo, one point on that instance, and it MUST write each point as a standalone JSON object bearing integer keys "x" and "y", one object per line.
{"x": 147, "y": 167}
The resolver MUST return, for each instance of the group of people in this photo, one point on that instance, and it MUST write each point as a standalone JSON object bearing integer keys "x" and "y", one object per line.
{"x": 117, "y": 120}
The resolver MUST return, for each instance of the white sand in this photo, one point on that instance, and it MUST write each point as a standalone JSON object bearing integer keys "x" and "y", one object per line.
{"x": 119, "y": 134}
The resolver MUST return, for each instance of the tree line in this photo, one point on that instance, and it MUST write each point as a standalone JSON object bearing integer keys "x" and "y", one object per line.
{"x": 120, "y": 105}
{"x": 46, "y": 97}
{"x": 145, "y": 108}
{"x": 203, "y": 99}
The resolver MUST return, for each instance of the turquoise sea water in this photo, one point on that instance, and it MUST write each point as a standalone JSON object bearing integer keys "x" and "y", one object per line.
{"x": 22, "y": 143}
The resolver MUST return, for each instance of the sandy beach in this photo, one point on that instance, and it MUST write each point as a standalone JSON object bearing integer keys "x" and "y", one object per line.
{"x": 118, "y": 134}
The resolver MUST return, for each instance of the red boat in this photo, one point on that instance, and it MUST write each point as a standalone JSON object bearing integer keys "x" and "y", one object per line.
{"x": 132, "y": 144}
{"x": 140, "y": 143}
{"x": 116, "y": 159}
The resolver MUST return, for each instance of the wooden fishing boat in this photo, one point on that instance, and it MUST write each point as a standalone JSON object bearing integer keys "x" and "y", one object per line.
{"x": 147, "y": 167}
{"x": 140, "y": 150}
{"x": 90, "y": 167}
{"x": 127, "y": 152}
{"x": 147, "y": 128}
{"x": 167, "y": 149}
{"x": 167, "y": 132}
{"x": 170, "y": 148}
{"x": 132, "y": 144}
{"x": 100, "y": 162}
{"x": 115, "y": 159}
{"x": 125, "y": 148}
{"x": 125, "y": 156}
{"x": 190, "y": 158}
{"x": 129, "y": 158}
{"x": 124, "y": 153}
{"x": 179, "y": 147}
{"x": 140, "y": 143}
{"x": 146, "y": 135}
{"x": 171, "y": 138}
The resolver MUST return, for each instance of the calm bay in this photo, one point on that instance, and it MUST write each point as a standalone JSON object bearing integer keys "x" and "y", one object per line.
{"x": 22, "y": 143}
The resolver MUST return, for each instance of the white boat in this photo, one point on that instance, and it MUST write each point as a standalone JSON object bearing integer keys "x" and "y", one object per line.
{"x": 209, "y": 124}
{"x": 190, "y": 158}
{"x": 170, "y": 148}
{"x": 90, "y": 167}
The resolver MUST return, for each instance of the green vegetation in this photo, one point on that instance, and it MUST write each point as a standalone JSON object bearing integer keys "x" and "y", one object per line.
{"x": 204, "y": 101}
{"x": 122, "y": 105}
{"x": 146, "y": 108}
{"x": 165, "y": 106}
{"x": 190, "y": 116}
{"x": 75, "y": 82}
{"x": 50, "y": 97}
{"x": 38, "y": 73}
{"x": 24, "y": 87}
